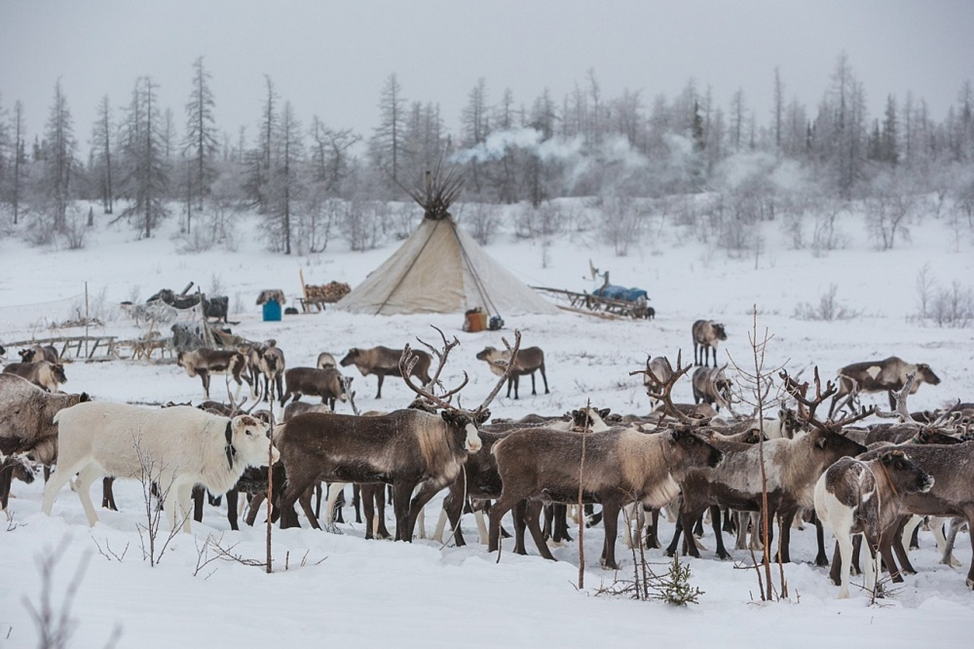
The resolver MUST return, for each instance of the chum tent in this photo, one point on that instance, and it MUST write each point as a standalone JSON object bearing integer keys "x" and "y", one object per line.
{"x": 441, "y": 269}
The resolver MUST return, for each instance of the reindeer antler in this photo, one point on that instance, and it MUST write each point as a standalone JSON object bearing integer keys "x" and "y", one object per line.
{"x": 807, "y": 407}
{"x": 346, "y": 384}
{"x": 662, "y": 389}
{"x": 901, "y": 410}
{"x": 408, "y": 361}
{"x": 441, "y": 355}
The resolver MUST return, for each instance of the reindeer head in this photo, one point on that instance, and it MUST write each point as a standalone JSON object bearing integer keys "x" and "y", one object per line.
{"x": 904, "y": 474}
{"x": 927, "y": 375}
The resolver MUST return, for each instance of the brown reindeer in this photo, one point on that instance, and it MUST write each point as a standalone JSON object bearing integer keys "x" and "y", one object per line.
{"x": 711, "y": 386}
{"x": 621, "y": 466}
{"x": 383, "y": 362}
{"x": 706, "y": 335}
{"x": 39, "y": 353}
{"x": 404, "y": 448}
{"x": 326, "y": 384}
{"x": 204, "y": 361}
{"x": 44, "y": 374}
{"x": 529, "y": 361}
{"x": 888, "y": 375}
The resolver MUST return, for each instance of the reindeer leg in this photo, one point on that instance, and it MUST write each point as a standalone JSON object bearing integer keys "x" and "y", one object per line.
{"x": 368, "y": 506}
{"x": 198, "y": 504}
{"x": 718, "y": 535}
{"x": 671, "y": 549}
{"x": 232, "y": 503}
{"x": 530, "y": 515}
{"x": 652, "y": 531}
{"x": 357, "y": 501}
{"x": 254, "y": 507}
{"x": 401, "y": 493}
{"x": 821, "y": 559}
{"x": 610, "y": 520}
{"x": 107, "y": 494}
{"x": 378, "y": 395}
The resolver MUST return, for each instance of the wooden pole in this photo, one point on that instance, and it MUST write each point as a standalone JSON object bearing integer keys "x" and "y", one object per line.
{"x": 87, "y": 319}
{"x": 270, "y": 494}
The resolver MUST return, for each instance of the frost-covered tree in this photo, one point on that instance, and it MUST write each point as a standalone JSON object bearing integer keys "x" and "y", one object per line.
{"x": 258, "y": 161}
{"x": 200, "y": 142}
{"x": 59, "y": 153}
{"x": 19, "y": 162}
{"x": 738, "y": 117}
{"x": 330, "y": 155}
{"x": 475, "y": 126}
{"x": 101, "y": 153}
{"x": 778, "y": 108}
{"x": 889, "y": 146}
{"x": 145, "y": 178}
{"x": 286, "y": 187}
{"x": 386, "y": 147}
{"x": 7, "y": 152}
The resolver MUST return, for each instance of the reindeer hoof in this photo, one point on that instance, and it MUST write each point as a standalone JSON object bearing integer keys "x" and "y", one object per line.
{"x": 822, "y": 562}
{"x": 332, "y": 528}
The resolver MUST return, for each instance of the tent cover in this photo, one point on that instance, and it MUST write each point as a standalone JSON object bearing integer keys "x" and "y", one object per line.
{"x": 441, "y": 269}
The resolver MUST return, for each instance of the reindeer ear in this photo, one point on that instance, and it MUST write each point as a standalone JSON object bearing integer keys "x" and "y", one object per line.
{"x": 604, "y": 412}
{"x": 84, "y": 397}
{"x": 483, "y": 416}
{"x": 821, "y": 441}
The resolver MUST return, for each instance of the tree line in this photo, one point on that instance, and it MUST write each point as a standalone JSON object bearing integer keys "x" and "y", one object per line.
{"x": 311, "y": 181}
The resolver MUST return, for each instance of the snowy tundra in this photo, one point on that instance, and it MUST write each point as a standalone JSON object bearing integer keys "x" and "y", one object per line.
{"x": 343, "y": 589}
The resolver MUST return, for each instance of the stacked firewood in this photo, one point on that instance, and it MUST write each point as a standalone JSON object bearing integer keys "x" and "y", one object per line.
{"x": 330, "y": 292}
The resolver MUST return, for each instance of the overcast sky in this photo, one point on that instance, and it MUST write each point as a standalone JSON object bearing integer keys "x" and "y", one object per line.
{"x": 331, "y": 59}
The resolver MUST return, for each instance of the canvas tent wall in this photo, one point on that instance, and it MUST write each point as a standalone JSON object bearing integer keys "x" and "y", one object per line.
{"x": 441, "y": 269}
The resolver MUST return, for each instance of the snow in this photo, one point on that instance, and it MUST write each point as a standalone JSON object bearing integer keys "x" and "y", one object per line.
{"x": 345, "y": 589}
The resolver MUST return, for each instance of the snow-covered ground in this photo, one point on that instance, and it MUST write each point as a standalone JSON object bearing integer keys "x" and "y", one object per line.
{"x": 343, "y": 588}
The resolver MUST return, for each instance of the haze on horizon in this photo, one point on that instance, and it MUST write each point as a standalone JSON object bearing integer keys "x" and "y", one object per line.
{"x": 331, "y": 59}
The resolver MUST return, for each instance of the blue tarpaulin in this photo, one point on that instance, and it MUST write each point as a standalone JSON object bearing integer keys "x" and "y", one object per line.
{"x": 614, "y": 292}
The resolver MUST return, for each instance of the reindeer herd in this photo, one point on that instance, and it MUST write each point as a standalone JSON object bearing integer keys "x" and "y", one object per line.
{"x": 868, "y": 482}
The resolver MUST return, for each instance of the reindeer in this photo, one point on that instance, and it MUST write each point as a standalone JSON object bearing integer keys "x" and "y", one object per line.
{"x": 888, "y": 374}
{"x": 529, "y": 361}
{"x": 383, "y": 361}
{"x": 326, "y": 384}
{"x": 39, "y": 353}
{"x": 711, "y": 386}
{"x": 658, "y": 372}
{"x": 204, "y": 361}
{"x": 405, "y": 448}
{"x": 706, "y": 335}
{"x": 44, "y": 374}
